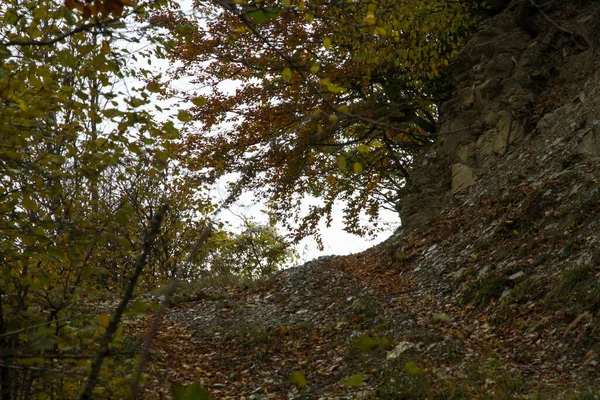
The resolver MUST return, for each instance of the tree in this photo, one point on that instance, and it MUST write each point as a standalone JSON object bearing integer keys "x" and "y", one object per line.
{"x": 332, "y": 98}
{"x": 92, "y": 199}
{"x": 69, "y": 145}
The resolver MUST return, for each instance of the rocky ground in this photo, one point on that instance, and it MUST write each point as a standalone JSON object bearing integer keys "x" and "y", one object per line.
{"x": 493, "y": 288}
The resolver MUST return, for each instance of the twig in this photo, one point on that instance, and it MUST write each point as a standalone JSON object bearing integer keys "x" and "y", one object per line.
{"x": 81, "y": 28}
{"x": 32, "y": 327}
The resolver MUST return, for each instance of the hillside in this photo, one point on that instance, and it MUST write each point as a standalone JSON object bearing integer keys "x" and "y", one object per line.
{"x": 492, "y": 287}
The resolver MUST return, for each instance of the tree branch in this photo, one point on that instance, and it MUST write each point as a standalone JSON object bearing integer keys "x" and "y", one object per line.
{"x": 116, "y": 317}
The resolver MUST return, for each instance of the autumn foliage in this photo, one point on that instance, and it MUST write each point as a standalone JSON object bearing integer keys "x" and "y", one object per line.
{"x": 329, "y": 99}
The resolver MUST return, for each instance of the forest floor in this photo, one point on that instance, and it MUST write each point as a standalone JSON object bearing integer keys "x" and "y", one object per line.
{"x": 365, "y": 326}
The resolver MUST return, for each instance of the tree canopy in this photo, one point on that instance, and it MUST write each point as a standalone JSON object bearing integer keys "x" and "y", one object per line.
{"x": 332, "y": 98}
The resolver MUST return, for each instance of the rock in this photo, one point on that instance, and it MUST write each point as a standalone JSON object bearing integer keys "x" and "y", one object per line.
{"x": 516, "y": 275}
{"x": 457, "y": 274}
{"x": 462, "y": 178}
{"x": 401, "y": 348}
{"x": 501, "y": 253}
{"x": 466, "y": 153}
{"x": 509, "y": 131}
{"x": 589, "y": 145}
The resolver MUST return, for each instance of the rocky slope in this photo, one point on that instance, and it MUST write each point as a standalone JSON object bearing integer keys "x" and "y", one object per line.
{"x": 492, "y": 287}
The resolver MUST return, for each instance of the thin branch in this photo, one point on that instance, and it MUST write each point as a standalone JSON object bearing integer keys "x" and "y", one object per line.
{"x": 33, "y": 327}
{"x": 82, "y": 28}
{"x": 309, "y": 83}
{"x": 116, "y": 317}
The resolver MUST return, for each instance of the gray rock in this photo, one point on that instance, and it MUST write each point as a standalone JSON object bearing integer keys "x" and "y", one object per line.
{"x": 462, "y": 178}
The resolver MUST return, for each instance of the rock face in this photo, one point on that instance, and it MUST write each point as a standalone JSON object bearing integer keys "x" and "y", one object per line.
{"x": 510, "y": 83}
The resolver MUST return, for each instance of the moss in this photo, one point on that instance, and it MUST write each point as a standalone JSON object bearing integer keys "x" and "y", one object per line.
{"x": 572, "y": 278}
{"x": 486, "y": 289}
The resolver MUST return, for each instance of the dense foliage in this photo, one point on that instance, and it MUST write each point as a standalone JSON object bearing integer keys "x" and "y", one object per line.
{"x": 103, "y": 198}
{"x": 85, "y": 168}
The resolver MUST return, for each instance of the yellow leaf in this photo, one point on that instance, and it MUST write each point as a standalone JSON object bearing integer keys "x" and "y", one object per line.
{"x": 333, "y": 118}
{"x": 199, "y": 101}
{"x": 413, "y": 369}
{"x": 286, "y": 74}
{"x": 369, "y": 19}
{"x": 315, "y": 68}
{"x": 443, "y": 317}
{"x": 298, "y": 379}
{"x": 104, "y": 320}
{"x": 363, "y": 148}
{"x": 327, "y": 43}
{"x": 184, "y": 116}
{"x": 357, "y": 167}
{"x": 335, "y": 89}
{"x": 354, "y": 380}
{"x": 285, "y": 3}
{"x": 380, "y": 31}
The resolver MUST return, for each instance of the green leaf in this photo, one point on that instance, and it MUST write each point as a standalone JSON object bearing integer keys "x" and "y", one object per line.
{"x": 122, "y": 216}
{"x": 354, "y": 380}
{"x": 327, "y": 43}
{"x": 298, "y": 379}
{"x": 4, "y": 52}
{"x": 153, "y": 87}
{"x": 263, "y": 15}
{"x": 286, "y": 74}
{"x": 341, "y": 162}
{"x": 29, "y": 204}
{"x": 104, "y": 319}
{"x": 184, "y": 116}
{"x": 199, "y": 101}
{"x": 193, "y": 391}
{"x": 138, "y": 307}
{"x": 413, "y": 369}
{"x": 367, "y": 344}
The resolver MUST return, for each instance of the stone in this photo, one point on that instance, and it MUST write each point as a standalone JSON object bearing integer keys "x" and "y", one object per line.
{"x": 501, "y": 253}
{"x": 466, "y": 153}
{"x": 589, "y": 145}
{"x": 484, "y": 150}
{"x": 516, "y": 275}
{"x": 462, "y": 178}
{"x": 509, "y": 131}
{"x": 401, "y": 348}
